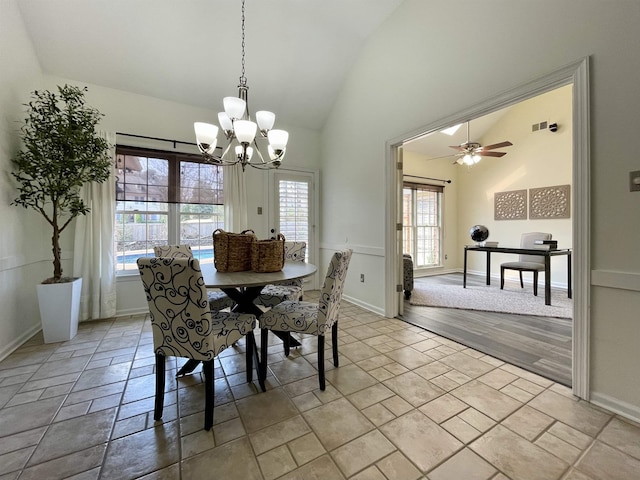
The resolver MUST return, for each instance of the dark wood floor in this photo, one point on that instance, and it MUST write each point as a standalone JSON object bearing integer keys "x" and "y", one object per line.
{"x": 541, "y": 345}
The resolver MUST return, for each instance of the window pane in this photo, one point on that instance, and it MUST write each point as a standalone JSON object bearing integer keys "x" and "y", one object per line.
{"x": 142, "y": 179}
{"x": 294, "y": 211}
{"x": 421, "y": 225}
{"x": 136, "y": 234}
{"x": 200, "y": 183}
{"x": 197, "y": 223}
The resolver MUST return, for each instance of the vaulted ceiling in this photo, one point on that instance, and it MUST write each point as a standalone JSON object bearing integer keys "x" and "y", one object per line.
{"x": 298, "y": 52}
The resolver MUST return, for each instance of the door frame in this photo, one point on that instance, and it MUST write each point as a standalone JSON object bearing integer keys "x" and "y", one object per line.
{"x": 576, "y": 74}
{"x": 311, "y": 282}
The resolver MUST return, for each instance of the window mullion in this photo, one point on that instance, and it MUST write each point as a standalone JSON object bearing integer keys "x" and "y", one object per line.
{"x": 174, "y": 224}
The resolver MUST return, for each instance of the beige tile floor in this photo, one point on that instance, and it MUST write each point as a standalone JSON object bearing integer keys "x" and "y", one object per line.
{"x": 405, "y": 404}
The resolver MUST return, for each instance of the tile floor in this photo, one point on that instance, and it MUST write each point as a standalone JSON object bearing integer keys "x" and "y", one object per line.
{"x": 405, "y": 404}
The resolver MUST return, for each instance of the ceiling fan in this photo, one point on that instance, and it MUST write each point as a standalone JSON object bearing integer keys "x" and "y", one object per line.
{"x": 470, "y": 153}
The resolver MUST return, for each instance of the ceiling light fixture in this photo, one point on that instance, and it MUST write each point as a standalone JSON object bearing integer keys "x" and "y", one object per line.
{"x": 241, "y": 131}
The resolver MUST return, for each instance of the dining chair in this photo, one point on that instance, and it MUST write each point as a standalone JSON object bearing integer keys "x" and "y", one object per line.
{"x": 527, "y": 263}
{"x": 217, "y": 300}
{"x": 272, "y": 295}
{"x": 183, "y": 325}
{"x": 310, "y": 318}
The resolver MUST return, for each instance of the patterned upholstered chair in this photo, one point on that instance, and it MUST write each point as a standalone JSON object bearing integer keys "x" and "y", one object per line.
{"x": 310, "y": 318}
{"x": 272, "y": 295}
{"x": 527, "y": 263}
{"x": 184, "y": 326}
{"x": 217, "y": 300}
{"x": 407, "y": 273}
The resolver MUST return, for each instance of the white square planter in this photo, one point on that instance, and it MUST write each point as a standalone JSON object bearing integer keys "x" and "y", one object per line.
{"x": 59, "y": 310}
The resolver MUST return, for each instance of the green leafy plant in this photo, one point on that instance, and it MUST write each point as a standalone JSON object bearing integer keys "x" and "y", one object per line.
{"x": 61, "y": 152}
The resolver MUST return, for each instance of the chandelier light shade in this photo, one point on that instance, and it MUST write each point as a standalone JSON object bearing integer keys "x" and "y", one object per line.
{"x": 241, "y": 132}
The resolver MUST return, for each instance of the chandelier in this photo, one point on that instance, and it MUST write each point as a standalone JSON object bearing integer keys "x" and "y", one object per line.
{"x": 240, "y": 131}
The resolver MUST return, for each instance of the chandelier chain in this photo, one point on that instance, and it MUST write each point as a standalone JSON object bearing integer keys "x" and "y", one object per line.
{"x": 243, "y": 79}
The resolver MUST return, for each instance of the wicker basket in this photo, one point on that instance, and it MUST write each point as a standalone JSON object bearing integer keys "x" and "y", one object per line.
{"x": 232, "y": 251}
{"x": 268, "y": 255}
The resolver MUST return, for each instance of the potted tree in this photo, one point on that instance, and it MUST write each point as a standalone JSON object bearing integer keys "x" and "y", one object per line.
{"x": 61, "y": 152}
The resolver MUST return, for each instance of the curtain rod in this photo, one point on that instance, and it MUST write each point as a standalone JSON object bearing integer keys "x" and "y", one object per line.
{"x": 156, "y": 138}
{"x": 429, "y": 178}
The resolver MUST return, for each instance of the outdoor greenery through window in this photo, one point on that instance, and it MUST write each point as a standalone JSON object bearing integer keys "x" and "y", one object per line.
{"x": 422, "y": 223}
{"x": 165, "y": 198}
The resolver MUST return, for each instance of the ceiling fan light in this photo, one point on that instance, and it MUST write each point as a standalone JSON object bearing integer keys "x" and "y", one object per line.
{"x": 467, "y": 159}
{"x": 475, "y": 158}
{"x": 234, "y": 107}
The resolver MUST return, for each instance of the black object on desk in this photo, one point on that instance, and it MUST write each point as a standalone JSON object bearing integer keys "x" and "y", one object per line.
{"x": 543, "y": 251}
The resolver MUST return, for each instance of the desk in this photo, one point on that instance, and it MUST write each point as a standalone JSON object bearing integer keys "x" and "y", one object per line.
{"x": 543, "y": 252}
{"x": 244, "y": 287}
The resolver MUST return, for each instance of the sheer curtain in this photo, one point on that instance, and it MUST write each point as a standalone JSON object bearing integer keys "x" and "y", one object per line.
{"x": 235, "y": 199}
{"x": 93, "y": 252}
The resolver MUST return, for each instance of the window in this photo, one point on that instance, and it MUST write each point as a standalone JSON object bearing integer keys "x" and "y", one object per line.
{"x": 165, "y": 198}
{"x": 422, "y": 223}
{"x": 293, "y": 212}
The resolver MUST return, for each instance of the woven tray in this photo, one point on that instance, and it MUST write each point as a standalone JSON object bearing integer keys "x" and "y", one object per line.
{"x": 232, "y": 251}
{"x": 268, "y": 255}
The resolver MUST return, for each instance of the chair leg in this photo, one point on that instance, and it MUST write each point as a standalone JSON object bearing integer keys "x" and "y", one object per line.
{"x": 334, "y": 343}
{"x": 160, "y": 373}
{"x": 501, "y": 278}
{"x": 209, "y": 381}
{"x": 264, "y": 340}
{"x": 321, "y": 362}
{"x": 535, "y": 283}
{"x": 521, "y": 282}
{"x": 251, "y": 345}
{"x": 286, "y": 341}
{"x": 255, "y": 360}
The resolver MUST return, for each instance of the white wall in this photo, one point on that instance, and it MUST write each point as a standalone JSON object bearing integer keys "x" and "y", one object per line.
{"x": 24, "y": 237}
{"x": 431, "y": 60}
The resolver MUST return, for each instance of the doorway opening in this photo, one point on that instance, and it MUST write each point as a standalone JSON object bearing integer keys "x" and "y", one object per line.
{"x": 575, "y": 75}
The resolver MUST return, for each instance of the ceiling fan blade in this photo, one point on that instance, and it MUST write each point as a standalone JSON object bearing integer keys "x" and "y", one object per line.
{"x": 459, "y": 147}
{"x": 458, "y": 161}
{"x": 497, "y": 145}
{"x": 492, "y": 154}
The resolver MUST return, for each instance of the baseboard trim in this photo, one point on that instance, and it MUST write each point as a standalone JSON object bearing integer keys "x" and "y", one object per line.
{"x": 131, "y": 311}
{"x": 366, "y": 306}
{"x": 624, "y": 409}
{"x": 18, "y": 342}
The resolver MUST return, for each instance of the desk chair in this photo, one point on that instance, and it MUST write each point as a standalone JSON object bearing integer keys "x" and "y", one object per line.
{"x": 272, "y": 295}
{"x": 184, "y": 326}
{"x": 527, "y": 263}
{"x": 310, "y": 318}
{"x": 217, "y": 300}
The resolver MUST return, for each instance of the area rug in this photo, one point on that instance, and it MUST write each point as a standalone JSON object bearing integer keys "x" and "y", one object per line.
{"x": 490, "y": 298}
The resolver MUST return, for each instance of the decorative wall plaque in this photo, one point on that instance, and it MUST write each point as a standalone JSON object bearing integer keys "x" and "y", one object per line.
{"x": 550, "y": 202}
{"x": 510, "y": 205}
